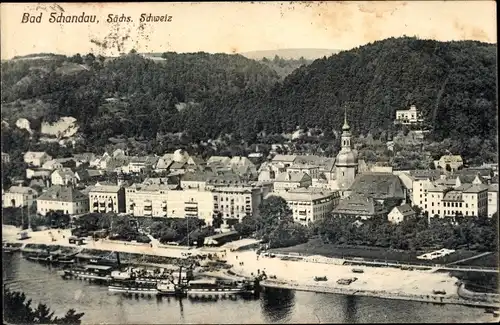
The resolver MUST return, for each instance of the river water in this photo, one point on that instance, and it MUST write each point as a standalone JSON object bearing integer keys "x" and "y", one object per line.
{"x": 41, "y": 284}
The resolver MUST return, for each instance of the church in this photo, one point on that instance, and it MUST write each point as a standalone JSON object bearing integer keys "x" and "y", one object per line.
{"x": 346, "y": 163}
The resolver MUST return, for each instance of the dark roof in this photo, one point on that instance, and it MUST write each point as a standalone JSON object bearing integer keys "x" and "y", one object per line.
{"x": 224, "y": 178}
{"x": 62, "y": 194}
{"x": 378, "y": 186}
{"x": 177, "y": 165}
{"x": 405, "y": 210}
{"x": 358, "y": 204}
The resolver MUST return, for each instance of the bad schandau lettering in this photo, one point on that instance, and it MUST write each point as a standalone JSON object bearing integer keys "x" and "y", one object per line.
{"x": 59, "y": 18}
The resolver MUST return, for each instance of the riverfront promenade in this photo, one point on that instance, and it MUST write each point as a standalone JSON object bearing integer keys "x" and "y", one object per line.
{"x": 376, "y": 281}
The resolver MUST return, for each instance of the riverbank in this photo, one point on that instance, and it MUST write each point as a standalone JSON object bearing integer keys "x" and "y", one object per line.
{"x": 391, "y": 283}
{"x": 435, "y": 299}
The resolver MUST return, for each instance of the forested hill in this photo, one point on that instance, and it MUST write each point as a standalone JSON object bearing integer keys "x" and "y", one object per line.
{"x": 453, "y": 83}
{"x": 129, "y": 95}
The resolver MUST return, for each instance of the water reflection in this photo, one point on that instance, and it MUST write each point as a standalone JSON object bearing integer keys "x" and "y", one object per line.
{"x": 350, "y": 310}
{"x": 277, "y": 304}
{"x": 274, "y": 305}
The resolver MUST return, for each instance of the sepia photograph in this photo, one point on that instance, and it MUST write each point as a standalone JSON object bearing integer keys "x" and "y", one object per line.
{"x": 249, "y": 162}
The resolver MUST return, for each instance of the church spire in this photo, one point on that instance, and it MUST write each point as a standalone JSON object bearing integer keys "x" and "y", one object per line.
{"x": 346, "y": 126}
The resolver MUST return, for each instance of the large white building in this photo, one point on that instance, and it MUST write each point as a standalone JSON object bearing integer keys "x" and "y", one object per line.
{"x": 310, "y": 204}
{"x": 465, "y": 200}
{"x": 19, "y": 196}
{"x": 408, "y": 116}
{"x": 107, "y": 198}
{"x": 147, "y": 200}
{"x": 236, "y": 202}
{"x": 190, "y": 203}
{"x": 62, "y": 198}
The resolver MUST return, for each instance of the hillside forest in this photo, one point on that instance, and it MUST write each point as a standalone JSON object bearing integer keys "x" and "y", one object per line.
{"x": 202, "y": 97}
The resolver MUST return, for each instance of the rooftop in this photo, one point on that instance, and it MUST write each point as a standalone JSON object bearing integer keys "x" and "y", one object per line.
{"x": 62, "y": 194}
{"x": 378, "y": 185}
{"x": 21, "y": 190}
{"x": 358, "y": 204}
{"x": 104, "y": 189}
{"x": 405, "y": 210}
{"x": 291, "y": 177}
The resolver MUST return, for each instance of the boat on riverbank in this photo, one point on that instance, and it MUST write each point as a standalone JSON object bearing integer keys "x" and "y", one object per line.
{"x": 164, "y": 288}
{"x": 11, "y": 248}
{"x": 214, "y": 288}
{"x": 88, "y": 272}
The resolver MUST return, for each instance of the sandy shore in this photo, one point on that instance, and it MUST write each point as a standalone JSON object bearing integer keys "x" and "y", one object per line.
{"x": 376, "y": 281}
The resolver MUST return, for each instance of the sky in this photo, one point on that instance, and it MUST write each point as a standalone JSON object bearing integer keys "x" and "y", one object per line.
{"x": 240, "y": 27}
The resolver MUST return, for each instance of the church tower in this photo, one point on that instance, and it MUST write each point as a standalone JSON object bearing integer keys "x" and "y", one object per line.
{"x": 346, "y": 163}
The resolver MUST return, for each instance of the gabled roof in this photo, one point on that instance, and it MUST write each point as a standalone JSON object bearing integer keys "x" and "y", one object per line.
{"x": 284, "y": 158}
{"x": 358, "y": 204}
{"x": 164, "y": 163}
{"x": 378, "y": 186}
{"x": 177, "y": 165}
{"x": 34, "y": 154}
{"x": 62, "y": 194}
{"x": 493, "y": 187}
{"x": 64, "y": 173}
{"x": 218, "y": 160}
{"x": 472, "y": 188}
{"x": 292, "y": 177}
{"x": 451, "y": 159}
{"x": 405, "y": 210}
{"x": 21, "y": 190}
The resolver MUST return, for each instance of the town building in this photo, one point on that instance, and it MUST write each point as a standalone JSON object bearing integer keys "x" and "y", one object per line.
{"x": 400, "y": 213}
{"x": 359, "y": 206}
{"x": 492, "y": 199}
{"x": 38, "y": 173}
{"x": 449, "y": 162}
{"x": 237, "y": 201}
{"x": 463, "y": 200}
{"x": 36, "y": 158}
{"x": 84, "y": 158}
{"x": 138, "y": 165}
{"x": 408, "y": 116}
{"x": 287, "y": 181}
{"x": 106, "y": 199}
{"x": 59, "y": 163}
{"x": 19, "y": 196}
{"x": 190, "y": 203}
{"x": 147, "y": 200}
{"x": 310, "y": 204}
{"x": 5, "y": 158}
{"x": 64, "y": 176}
{"x": 311, "y": 170}
{"x": 62, "y": 198}
{"x": 416, "y": 182}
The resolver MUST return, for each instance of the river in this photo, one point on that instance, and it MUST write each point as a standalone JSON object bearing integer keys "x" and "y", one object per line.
{"x": 41, "y": 284}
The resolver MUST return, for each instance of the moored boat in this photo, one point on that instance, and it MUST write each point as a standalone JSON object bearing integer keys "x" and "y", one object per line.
{"x": 161, "y": 288}
{"x": 10, "y": 248}
{"x": 213, "y": 288}
{"x": 89, "y": 272}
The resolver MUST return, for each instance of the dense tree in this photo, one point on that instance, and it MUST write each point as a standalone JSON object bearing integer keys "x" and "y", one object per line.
{"x": 19, "y": 311}
{"x": 207, "y": 96}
